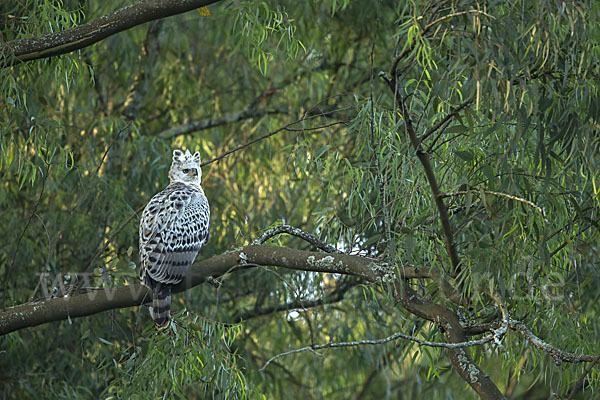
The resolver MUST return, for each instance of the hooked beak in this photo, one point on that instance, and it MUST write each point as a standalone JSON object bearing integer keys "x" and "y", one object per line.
{"x": 193, "y": 172}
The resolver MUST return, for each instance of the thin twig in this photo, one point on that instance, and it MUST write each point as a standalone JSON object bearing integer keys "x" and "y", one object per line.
{"x": 112, "y": 142}
{"x": 14, "y": 256}
{"x": 457, "y": 14}
{"x": 292, "y": 230}
{"x": 384, "y": 361}
{"x": 559, "y": 248}
{"x": 447, "y": 118}
{"x": 317, "y": 127}
{"x": 47, "y": 255}
{"x": 97, "y": 85}
{"x": 578, "y": 384}
{"x": 200, "y": 125}
{"x": 332, "y": 297}
{"x": 228, "y": 152}
{"x": 268, "y": 135}
{"x": 409, "y": 48}
{"x": 76, "y": 285}
{"x": 557, "y": 354}
{"x": 110, "y": 239}
{"x": 429, "y": 174}
{"x": 395, "y": 336}
{"x": 146, "y": 65}
{"x": 508, "y": 196}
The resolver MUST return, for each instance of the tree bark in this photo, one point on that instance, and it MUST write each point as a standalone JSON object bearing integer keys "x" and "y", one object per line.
{"x": 57, "y": 43}
{"x": 448, "y": 321}
{"x": 104, "y": 299}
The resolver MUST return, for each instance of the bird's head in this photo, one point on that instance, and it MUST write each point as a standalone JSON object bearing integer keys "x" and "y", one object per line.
{"x": 186, "y": 168}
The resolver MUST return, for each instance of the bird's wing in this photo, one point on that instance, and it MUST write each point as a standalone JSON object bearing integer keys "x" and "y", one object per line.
{"x": 169, "y": 240}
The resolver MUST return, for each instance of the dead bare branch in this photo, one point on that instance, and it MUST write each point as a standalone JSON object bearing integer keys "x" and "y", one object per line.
{"x": 225, "y": 119}
{"x": 398, "y": 335}
{"x": 292, "y": 230}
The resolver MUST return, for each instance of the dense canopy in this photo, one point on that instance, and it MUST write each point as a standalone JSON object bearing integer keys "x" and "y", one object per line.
{"x": 404, "y": 197}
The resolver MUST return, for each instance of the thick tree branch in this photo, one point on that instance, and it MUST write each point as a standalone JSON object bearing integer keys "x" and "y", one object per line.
{"x": 448, "y": 321}
{"x": 103, "y": 299}
{"x": 63, "y": 42}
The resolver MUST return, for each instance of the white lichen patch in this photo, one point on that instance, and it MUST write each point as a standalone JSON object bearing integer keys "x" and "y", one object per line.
{"x": 343, "y": 268}
{"x": 467, "y": 366}
{"x": 324, "y": 262}
{"x": 473, "y": 372}
{"x": 243, "y": 257}
{"x": 379, "y": 269}
{"x": 327, "y": 262}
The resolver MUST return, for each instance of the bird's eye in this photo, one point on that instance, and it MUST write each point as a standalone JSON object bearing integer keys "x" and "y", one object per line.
{"x": 186, "y": 171}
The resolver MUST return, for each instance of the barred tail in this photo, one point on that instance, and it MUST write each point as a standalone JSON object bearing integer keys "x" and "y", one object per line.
{"x": 161, "y": 305}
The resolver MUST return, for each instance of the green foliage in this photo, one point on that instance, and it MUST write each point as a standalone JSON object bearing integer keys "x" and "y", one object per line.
{"x": 267, "y": 34}
{"x": 83, "y": 146}
{"x": 191, "y": 358}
